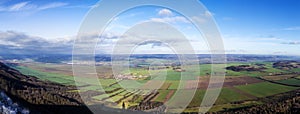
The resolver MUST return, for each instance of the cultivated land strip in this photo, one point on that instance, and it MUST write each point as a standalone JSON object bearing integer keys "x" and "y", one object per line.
{"x": 292, "y": 85}
{"x": 170, "y": 94}
{"x": 242, "y": 92}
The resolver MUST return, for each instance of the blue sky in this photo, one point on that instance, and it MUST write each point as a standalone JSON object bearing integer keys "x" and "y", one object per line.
{"x": 247, "y": 26}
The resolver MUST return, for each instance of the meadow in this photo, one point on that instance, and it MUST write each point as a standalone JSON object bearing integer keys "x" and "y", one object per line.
{"x": 233, "y": 94}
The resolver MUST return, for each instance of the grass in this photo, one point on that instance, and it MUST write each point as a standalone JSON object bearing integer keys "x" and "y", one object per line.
{"x": 197, "y": 99}
{"x": 137, "y": 72}
{"x": 290, "y": 81}
{"x": 268, "y": 66}
{"x": 217, "y": 108}
{"x": 107, "y": 82}
{"x": 295, "y": 70}
{"x": 63, "y": 79}
{"x": 264, "y": 89}
{"x": 175, "y": 76}
{"x": 91, "y": 87}
{"x": 129, "y": 84}
{"x": 172, "y": 81}
{"x": 102, "y": 96}
{"x": 162, "y": 95}
{"x": 58, "y": 78}
{"x": 206, "y": 69}
{"x": 182, "y": 97}
{"x": 174, "y": 84}
{"x": 278, "y": 77}
{"x": 222, "y": 107}
{"x": 165, "y": 86}
{"x": 227, "y": 95}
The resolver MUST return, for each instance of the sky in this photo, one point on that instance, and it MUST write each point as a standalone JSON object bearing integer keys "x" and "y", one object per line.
{"x": 247, "y": 26}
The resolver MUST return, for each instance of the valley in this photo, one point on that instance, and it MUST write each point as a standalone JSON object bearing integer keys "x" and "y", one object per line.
{"x": 246, "y": 85}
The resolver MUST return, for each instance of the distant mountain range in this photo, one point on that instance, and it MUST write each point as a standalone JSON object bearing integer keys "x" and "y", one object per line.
{"x": 203, "y": 58}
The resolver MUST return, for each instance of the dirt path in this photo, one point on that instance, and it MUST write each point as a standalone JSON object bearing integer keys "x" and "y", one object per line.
{"x": 169, "y": 95}
{"x": 242, "y": 93}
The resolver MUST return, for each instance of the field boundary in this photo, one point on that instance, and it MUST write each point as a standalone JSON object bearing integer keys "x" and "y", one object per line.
{"x": 292, "y": 85}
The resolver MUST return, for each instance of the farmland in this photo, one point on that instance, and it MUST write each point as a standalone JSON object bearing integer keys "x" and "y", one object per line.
{"x": 240, "y": 89}
{"x": 265, "y": 89}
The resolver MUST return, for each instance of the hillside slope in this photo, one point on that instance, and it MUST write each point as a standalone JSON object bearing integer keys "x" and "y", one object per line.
{"x": 39, "y": 96}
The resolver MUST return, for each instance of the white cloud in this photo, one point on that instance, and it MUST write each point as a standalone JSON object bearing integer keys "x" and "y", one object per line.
{"x": 28, "y": 6}
{"x": 204, "y": 17}
{"x": 2, "y": 8}
{"x": 171, "y": 19}
{"x": 165, "y": 13}
{"x": 208, "y": 14}
{"x": 270, "y": 39}
{"x": 292, "y": 43}
{"x": 292, "y": 28}
{"x": 261, "y": 44}
{"x": 167, "y": 16}
{"x": 20, "y": 43}
{"x": 18, "y": 6}
{"x": 52, "y": 5}
{"x": 199, "y": 19}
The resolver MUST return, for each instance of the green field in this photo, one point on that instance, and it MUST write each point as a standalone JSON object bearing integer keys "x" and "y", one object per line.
{"x": 171, "y": 83}
{"x": 162, "y": 95}
{"x": 217, "y": 108}
{"x": 264, "y": 89}
{"x": 228, "y": 95}
{"x": 58, "y": 78}
{"x": 265, "y": 72}
{"x": 290, "y": 81}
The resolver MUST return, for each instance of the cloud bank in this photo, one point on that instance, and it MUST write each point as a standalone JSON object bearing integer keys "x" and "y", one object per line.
{"x": 28, "y": 6}
{"x": 12, "y": 42}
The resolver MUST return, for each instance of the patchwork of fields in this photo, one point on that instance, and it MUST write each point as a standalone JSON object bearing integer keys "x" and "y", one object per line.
{"x": 239, "y": 89}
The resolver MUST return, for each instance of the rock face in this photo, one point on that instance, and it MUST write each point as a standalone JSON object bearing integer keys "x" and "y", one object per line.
{"x": 39, "y": 96}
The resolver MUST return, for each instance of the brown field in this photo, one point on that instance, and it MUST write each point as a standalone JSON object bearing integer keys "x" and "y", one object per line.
{"x": 279, "y": 77}
{"x": 235, "y": 81}
{"x": 154, "y": 84}
{"x": 52, "y": 68}
{"x": 228, "y": 82}
{"x": 170, "y": 94}
{"x": 102, "y": 71}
